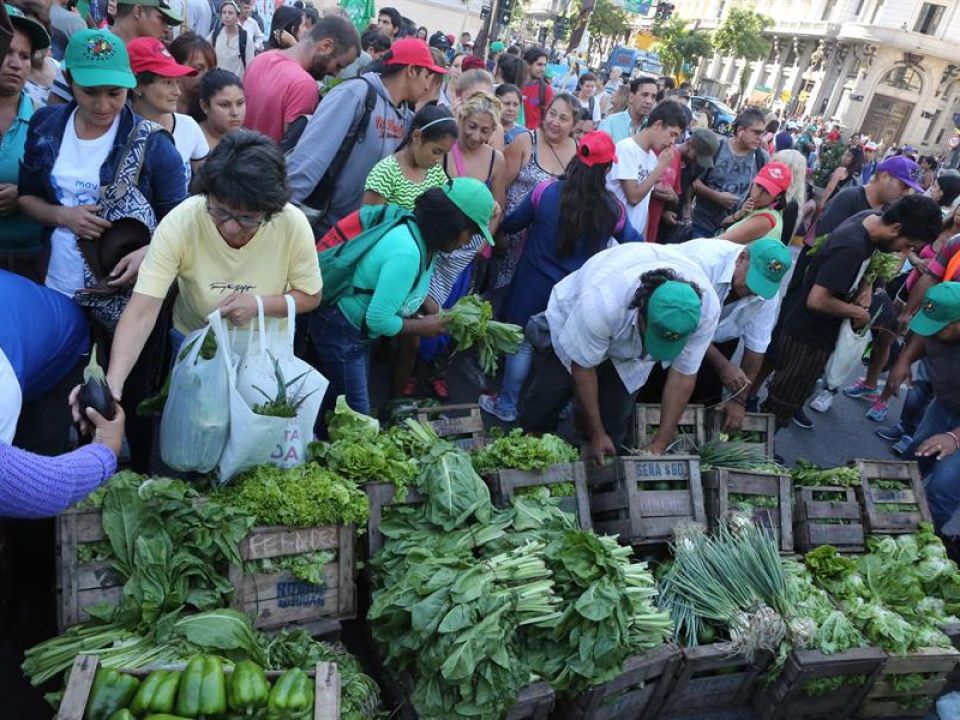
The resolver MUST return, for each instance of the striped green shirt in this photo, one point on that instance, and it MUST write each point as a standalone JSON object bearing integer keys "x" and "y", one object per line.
{"x": 387, "y": 179}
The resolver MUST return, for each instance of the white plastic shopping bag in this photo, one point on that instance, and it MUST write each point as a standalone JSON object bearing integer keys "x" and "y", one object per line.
{"x": 267, "y": 372}
{"x": 196, "y": 417}
{"x": 851, "y": 344}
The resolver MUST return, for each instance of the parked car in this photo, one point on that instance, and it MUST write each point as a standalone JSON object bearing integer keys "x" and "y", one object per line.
{"x": 720, "y": 114}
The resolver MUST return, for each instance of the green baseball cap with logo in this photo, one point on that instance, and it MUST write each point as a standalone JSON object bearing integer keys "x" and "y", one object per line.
{"x": 940, "y": 307}
{"x": 673, "y": 313}
{"x": 770, "y": 261}
{"x": 168, "y": 14}
{"x": 496, "y": 46}
{"x": 39, "y": 39}
{"x": 474, "y": 200}
{"x": 98, "y": 57}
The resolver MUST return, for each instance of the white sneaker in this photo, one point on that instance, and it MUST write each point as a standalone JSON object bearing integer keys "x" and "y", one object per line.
{"x": 824, "y": 400}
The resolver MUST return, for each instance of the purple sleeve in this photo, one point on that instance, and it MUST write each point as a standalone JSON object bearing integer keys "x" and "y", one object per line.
{"x": 36, "y": 486}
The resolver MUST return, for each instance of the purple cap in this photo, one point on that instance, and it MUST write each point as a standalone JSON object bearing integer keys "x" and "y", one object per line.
{"x": 903, "y": 169}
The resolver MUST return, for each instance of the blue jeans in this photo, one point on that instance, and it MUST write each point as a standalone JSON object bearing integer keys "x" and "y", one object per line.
{"x": 914, "y": 405}
{"x": 941, "y": 477}
{"x": 515, "y": 371}
{"x": 176, "y": 341}
{"x": 343, "y": 356}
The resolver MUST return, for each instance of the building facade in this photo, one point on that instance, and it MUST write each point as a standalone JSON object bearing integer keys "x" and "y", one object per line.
{"x": 888, "y": 68}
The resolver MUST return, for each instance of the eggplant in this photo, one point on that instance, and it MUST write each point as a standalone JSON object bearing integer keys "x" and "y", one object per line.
{"x": 95, "y": 392}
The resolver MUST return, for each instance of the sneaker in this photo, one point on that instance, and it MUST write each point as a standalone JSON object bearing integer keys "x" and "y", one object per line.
{"x": 488, "y": 403}
{"x": 824, "y": 400}
{"x": 439, "y": 386}
{"x": 860, "y": 390}
{"x": 889, "y": 432}
{"x": 801, "y": 419}
{"x": 567, "y": 411}
{"x": 753, "y": 404}
{"x": 877, "y": 411}
{"x": 900, "y": 447}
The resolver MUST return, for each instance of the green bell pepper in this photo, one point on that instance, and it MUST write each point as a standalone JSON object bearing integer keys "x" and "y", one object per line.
{"x": 124, "y": 714}
{"x": 291, "y": 697}
{"x": 202, "y": 692}
{"x": 248, "y": 689}
{"x": 111, "y": 691}
{"x": 157, "y": 694}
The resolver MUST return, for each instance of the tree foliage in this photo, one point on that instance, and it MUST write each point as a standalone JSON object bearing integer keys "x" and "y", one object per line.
{"x": 741, "y": 34}
{"x": 677, "y": 44}
{"x": 603, "y": 18}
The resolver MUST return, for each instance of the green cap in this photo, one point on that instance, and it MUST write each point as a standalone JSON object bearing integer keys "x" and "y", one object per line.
{"x": 673, "y": 313}
{"x": 39, "y": 39}
{"x": 940, "y": 307}
{"x": 769, "y": 261}
{"x": 98, "y": 57}
{"x": 474, "y": 200}
{"x": 168, "y": 14}
{"x": 497, "y": 46}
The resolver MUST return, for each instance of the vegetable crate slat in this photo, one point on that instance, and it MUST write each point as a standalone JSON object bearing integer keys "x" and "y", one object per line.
{"x": 635, "y": 694}
{"x": 888, "y": 511}
{"x": 691, "y": 432}
{"x": 77, "y": 693}
{"x": 504, "y": 484}
{"x": 952, "y": 631}
{"x": 758, "y": 429}
{"x": 278, "y": 599}
{"x": 788, "y": 699}
{"x": 885, "y": 699}
{"x": 764, "y": 496}
{"x": 827, "y": 516}
{"x": 712, "y": 678}
{"x": 642, "y": 499}
{"x": 82, "y": 584}
{"x": 460, "y": 424}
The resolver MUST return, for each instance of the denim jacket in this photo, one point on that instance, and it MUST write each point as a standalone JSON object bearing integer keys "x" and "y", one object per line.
{"x": 162, "y": 181}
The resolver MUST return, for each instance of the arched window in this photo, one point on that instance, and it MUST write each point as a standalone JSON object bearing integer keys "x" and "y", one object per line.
{"x": 903, "y": 77}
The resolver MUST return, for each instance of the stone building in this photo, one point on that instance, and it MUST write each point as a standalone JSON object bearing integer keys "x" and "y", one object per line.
{"x": 888, "y": 68}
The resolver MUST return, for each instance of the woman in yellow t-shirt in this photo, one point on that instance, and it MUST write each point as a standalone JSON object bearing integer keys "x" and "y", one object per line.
{"x": 239, "y": 238}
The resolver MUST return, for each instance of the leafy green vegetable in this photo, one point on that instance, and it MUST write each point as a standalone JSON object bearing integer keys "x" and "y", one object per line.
{"x": 284, "y": 402}
{"x": 736, "y": 455}
{"x": 471, "y": 323}
{"x": 807, "y": 474}
{"x": 516, "y": 451}
{"x": 307, "y": 567}
{"x": 303, "y": 496}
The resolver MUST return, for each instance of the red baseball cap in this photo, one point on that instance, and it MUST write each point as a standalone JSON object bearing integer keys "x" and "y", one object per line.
{"x": 148, "y": 54}
{"x": 596, "y": 148}
{"x": 472, "y": 62}
{"x": 413, "y": 51}
{"x": 774, "y": 177}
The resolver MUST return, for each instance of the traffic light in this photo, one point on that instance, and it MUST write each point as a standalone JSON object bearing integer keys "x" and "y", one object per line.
{"x": 664, "y": 10}
{"x": 504, "y": 10}
{"x": 560, "y": 26}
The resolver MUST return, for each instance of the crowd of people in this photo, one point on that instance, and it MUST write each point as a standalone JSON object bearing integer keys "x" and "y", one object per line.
{"x": 154, "y": 180}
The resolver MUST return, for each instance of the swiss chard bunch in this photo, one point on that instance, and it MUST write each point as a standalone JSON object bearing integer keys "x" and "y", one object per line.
{"x": 518, "y": 451}
{"x": 470, "y": 322}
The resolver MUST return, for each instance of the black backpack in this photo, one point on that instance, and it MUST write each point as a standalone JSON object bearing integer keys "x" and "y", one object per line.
{"x": 315, "y": 205}
{"x": 243, "y": 43}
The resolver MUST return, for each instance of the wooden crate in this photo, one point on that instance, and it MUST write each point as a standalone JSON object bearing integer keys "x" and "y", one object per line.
{"x": 277, "y": 600}
{"x": 326, "y": 705}
{"x": 380, "y": 495}
{"x": 636, "y": 694}
{"x": 82, "y": 585}
{"x": 713, "y": 679}
{"x": 762, "y": 424}
{"x": 879, "y": 520}
{"x": 504, "y": 483}
{"x": 460, "y": 424}
{"x": 815, "y": 520}
{"x": 722, "y": 483}
{"x": 691, "y": 432}
{"x": 884, "y": 701}
{"x": 624, "y": 502}
{"x": 785, "y": 698}
{"x": 952, "y": 631}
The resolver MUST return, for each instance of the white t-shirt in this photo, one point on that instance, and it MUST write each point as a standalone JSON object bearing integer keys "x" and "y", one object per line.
{"x": 633, "y": 163}
{"x": 254, "y": 33}
{"x": 597, "y": 110}
{"x": 11, "y": 400}
{"x": 190, "y": 141}
{"x": 76, "y": 181}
